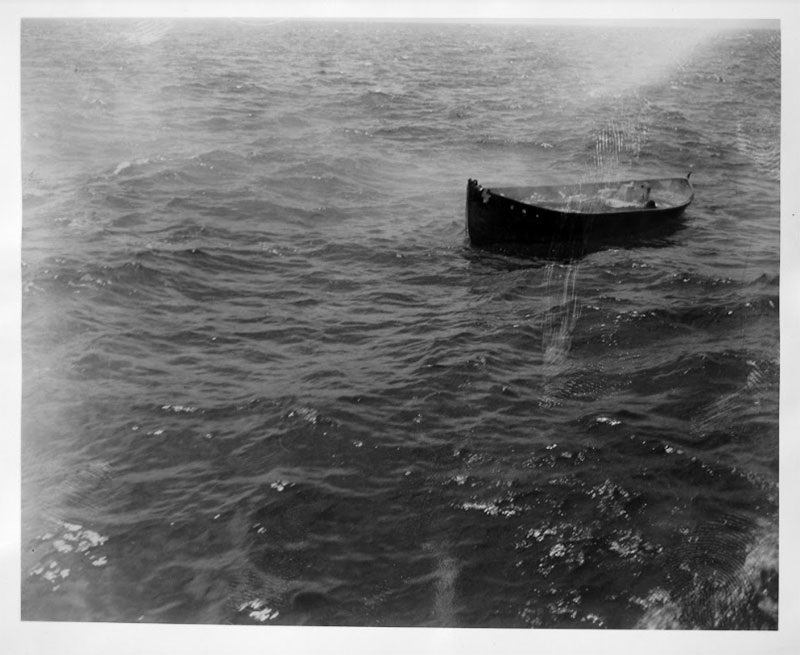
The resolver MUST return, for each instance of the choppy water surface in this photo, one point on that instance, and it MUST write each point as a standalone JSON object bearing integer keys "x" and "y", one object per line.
{"x": 267, "y": 380}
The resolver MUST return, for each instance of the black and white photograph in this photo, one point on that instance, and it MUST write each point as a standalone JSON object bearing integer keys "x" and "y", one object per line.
{"x": 401, "y": 322}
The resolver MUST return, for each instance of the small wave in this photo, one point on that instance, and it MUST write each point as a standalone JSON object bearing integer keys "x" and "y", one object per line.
{"x": 60, "y": 275}
{"x": 760, "y": 142}
{"x": 675, "y": 320}
{"x": 122, "y": 166}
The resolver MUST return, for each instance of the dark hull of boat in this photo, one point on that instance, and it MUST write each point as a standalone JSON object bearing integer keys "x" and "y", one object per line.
{"x": 499, "y": 216}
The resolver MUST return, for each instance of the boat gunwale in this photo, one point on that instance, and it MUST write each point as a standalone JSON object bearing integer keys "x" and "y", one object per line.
{"x": 506, "y": 191}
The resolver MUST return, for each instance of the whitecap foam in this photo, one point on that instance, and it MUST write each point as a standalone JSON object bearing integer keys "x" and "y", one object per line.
{"x": 258, "y": 610}
{"x": 71, "y": 543}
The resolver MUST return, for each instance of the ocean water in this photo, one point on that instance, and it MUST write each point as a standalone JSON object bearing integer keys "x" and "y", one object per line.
{"x": 267, "y": 380}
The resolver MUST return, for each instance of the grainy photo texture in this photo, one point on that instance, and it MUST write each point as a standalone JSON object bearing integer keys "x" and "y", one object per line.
{"x": 269, "y": 376}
